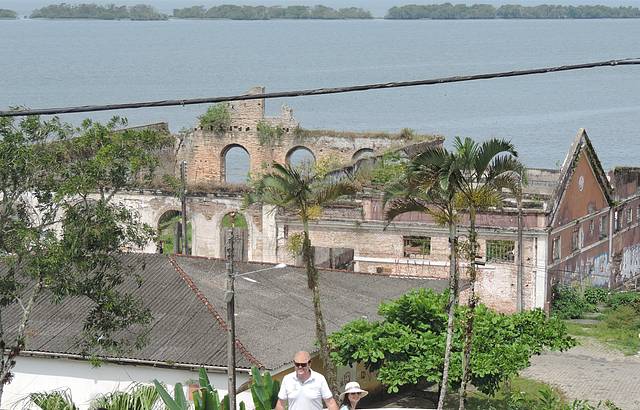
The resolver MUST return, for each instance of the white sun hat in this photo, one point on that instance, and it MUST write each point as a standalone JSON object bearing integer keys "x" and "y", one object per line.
{"x": 353, "y": 387}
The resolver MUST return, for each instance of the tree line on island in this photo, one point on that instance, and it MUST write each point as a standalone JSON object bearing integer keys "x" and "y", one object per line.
{"x": 233, "y": 12}
{"x": 98, "y": 12}
{"x": 448, "y": 11}
{"x": 444, "y": 11}
{"x": 7, "y": 14}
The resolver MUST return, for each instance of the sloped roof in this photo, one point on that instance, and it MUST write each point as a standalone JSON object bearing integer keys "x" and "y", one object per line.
{"x": 274, "y": 316}
{"x": 580, "y": 143}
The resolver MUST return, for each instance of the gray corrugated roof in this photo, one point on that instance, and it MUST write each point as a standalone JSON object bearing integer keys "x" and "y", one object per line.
{"x": 274, "y": 317}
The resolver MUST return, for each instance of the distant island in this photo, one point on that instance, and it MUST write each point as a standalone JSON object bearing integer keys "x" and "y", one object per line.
{"x": 232, "y": 12}
{"x": 445, "y": 11}
{"x": 94, "y": 11}
{"x": 8, "y": 14}
{"x": 448, "y": 11}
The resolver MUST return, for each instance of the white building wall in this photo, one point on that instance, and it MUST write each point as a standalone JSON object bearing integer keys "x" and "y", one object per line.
{"x": 541, "y": 271}
{"x": 85, "y": 382}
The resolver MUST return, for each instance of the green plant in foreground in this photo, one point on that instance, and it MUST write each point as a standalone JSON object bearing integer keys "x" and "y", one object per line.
{"x": 55, "y": 400}
{"x": 264, "y": 390}
{"x": 407, "y": 346}
{"x": 139, "y": 397}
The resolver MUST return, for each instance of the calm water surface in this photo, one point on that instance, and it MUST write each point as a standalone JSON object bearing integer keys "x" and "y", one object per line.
{"x": 57, "y": 63}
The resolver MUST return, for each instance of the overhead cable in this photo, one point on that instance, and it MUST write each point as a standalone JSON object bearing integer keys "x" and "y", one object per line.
{"x": 317, "y": 91}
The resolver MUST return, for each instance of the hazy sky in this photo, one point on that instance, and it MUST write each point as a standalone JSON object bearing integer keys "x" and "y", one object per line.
{"x": 377, "y": 7}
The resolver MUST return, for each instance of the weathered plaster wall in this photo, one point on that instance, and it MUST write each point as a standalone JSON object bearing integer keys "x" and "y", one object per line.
{"x": 205, "y": 214}
{"x": 381, "y": 251}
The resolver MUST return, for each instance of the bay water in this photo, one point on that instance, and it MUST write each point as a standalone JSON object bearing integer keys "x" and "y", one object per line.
{"x": 46, "y": 63}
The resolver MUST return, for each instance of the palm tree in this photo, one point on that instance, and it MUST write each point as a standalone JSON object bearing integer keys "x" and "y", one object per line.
{"x": 430, "y": 185}
{"x": 304, "y": 192}
{"x": 487, "y": 169}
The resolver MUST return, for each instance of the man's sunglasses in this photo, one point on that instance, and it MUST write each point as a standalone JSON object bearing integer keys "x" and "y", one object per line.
{"x": 303, "y": 365}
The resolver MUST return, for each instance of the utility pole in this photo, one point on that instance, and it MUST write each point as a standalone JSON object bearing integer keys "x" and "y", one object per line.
{"x": 231, "y": 321}
{"x": 520, "y": 274}
{"x": 183, "y": 199}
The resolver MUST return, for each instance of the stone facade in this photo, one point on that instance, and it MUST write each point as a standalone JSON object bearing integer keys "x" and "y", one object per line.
{"x": 204, "y": 150}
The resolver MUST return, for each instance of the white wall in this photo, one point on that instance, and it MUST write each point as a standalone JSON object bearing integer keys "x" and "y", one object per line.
{"x": 86, "y": 382}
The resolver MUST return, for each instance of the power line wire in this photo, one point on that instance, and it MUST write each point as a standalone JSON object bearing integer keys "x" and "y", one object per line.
{"x": 317, "y": 91}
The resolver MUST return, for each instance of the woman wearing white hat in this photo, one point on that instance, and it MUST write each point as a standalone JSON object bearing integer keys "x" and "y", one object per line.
{"x": 351, "y": 395}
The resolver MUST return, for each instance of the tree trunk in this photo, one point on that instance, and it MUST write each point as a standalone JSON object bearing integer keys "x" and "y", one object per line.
{"x": 453, "y": 297}
{"x": 321, "y": 329}
{"x": 468, "y": 333}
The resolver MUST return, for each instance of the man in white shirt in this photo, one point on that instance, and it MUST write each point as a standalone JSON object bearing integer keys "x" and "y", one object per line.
{"x": 304, "y": 389}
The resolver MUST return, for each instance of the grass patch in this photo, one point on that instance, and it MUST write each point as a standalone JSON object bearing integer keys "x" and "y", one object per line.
{"x": 504, "y": 397}
{"x": 619, "y": 328}
{"x": 526, "y": 394}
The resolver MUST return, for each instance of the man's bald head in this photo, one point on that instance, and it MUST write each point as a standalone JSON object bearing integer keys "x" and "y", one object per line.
{"x": 302, "y": 357}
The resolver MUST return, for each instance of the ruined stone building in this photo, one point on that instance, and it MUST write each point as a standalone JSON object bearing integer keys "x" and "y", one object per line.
{"x": 579, "y": 225}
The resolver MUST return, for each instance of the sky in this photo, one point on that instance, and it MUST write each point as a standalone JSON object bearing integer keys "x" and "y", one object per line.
{"x": 377, "y": 7}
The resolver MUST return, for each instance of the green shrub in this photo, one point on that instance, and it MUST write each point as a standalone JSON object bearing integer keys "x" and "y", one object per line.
{"x": 594, "y": 295}
{"x": 216, "y": 119}
{"x": 569, "y": 303}
{"x": 623, "y": 298}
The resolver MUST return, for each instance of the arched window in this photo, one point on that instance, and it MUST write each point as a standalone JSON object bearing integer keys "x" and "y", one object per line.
{"x": 299, "y": 157}
{"x": 236, "y": 164}
{"x": 362, "y": 153}
{"x": 170, "y": 239}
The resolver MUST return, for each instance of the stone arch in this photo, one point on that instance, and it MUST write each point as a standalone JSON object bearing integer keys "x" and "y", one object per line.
{"x": 300, "y": 156}
{"x": 238, "y": 222}
{"x": 235, "y": 164}
{"x": 362, "y": 153}
{"x": 168, "y": 223}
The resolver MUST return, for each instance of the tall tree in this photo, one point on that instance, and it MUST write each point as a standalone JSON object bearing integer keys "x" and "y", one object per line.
{"x": 430, "y": 185}
{"x": 487, "y": 170}
{"x": 304, "y": 191}
{"x": 61, "y": 231}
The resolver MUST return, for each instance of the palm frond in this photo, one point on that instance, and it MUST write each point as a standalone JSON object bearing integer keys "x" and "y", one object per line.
{"x": 488, "y": 151}
{"x": 401, "y": 206}
{"x": 327, "y": 192}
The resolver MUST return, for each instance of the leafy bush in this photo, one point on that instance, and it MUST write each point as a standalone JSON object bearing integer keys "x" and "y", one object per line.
{"x": 594, "y": 295}
{"x": 407, "y": 346}
{"x": 216, "y": 119}
{"x": 569, "y": 303}
{"x": 623, "y": 298}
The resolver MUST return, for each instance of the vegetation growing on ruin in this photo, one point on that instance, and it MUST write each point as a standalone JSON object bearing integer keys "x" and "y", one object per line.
{"x": 268, "y": 134}
{"x": 98, "y": 12}
{"x": 405, "y": 134}
{"x": 448, "y": 11}
{"x": 217, "y": 118}
{"x": 233, "y": 12}
{"x": 7, "y": 14}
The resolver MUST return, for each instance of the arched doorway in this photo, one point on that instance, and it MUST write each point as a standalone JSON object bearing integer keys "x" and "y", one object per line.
{"x": 361, "y": 154}
{"x": 236, "y": 164}
{"x": 235, "y": 221}
{"x": 170, "y": 239}
{"x": 301, "y": 157}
